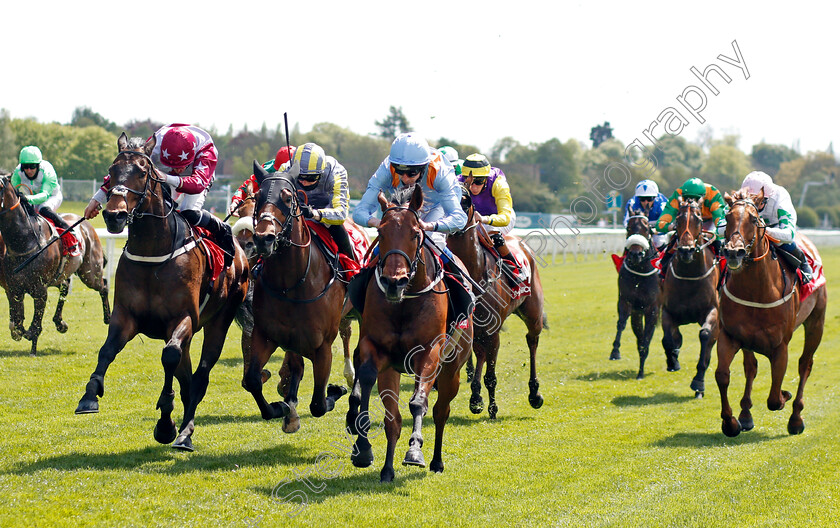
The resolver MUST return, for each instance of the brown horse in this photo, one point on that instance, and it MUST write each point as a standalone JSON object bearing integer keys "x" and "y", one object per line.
{"x": 759, "y": 310}
{"x": 689, "y": 292}
{"x": 403, "y": 329}
{"x": 244, "y": 227}
{"x": 493, "y": 308}
{"x": 638, "y": 289}
{"x": 164, "y": 289}
{"x": 26, "y": 232}
{"x": 298, "y": 305}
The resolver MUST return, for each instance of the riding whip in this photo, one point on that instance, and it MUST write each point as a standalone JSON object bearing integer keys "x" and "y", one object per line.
{"x": 30, "y": 259}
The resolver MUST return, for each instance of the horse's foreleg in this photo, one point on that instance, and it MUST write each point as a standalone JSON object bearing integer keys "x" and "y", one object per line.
{"x": 121, "y": 330}
{"x": 427, "y": 367}
{"x": 750, "y": 370}
{"x": 345, "y": 330}
{"x": 671, "y": 341}
{"x": 106, "y": 307}
{"x": 813, "y": 336}
{"x": 448, "y": 384}
{"x": 176, "y": 350}
{"x": 16, "y": 314}
{"x": 623, "y": 314}
{"x": 291, "y": 373}
{"x": 778, "y": 365}
{"x": 708, "y": 337}
{"x": 490, "y": 376}
{"x": 257, "y": 350}
{"x": 534, "y": 322}
{"x": 637, "y": 323}
{"x": 480, "y": 347}
{"x": 389, "y": 389}
{"x": 323, "y": 396}
{"x": 359, "y": 422}
{"x": 35, "y": 327}
{"x": 727, "y": 347}
{"x": 63, "y": 290}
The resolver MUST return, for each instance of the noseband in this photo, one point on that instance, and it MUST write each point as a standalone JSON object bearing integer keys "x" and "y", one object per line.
{"x": 412, "y": 263}
{"x": 272, "y": 196}
{"x": 698, "y": 246}
{"x": 149, "y": 175}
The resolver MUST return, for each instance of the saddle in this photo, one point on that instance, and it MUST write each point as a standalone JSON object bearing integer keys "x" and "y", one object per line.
{"x": 349, "y": 267}
{"x": 519, "y": 276}
{"x": 70, "y": 246}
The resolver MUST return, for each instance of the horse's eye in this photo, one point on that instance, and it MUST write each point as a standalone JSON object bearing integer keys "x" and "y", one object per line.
{"x": 753, "y": 219}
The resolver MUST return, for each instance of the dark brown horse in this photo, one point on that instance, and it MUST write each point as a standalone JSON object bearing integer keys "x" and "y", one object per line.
{"x": 759, "y": 310}
{"x": 638, "y": 289}
{"x": 689, "y": 292}
{"x": 493, "y": 308}
{"x": 298, "y": 305}
{"x": 404, "y": 329}
{"x": 163, "y": 289}
{"x": 24, "y": 233}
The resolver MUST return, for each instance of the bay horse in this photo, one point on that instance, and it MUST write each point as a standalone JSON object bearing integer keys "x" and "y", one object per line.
{"x": 404, "y": 330}
{"x": 298, "y": 304}
{"x": 164, "y": 289}
{"x": 494, "y": 306}
{"x": 759, "y": 310}
{"x": 638, "y": 289}
{"x": 24, "y": 233}
{"x": 689, "y": 291}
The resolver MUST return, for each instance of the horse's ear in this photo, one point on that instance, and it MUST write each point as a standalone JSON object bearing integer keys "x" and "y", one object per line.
{"x": 122, "y": 142}
{"x": 416, "y": 198}
{"x": 728, "y": 199}
{"x": 383, "y": 203}
{"x": 759, "y": 198}
{"x": 259, "y": 173}
{"x": 149, "y": 147}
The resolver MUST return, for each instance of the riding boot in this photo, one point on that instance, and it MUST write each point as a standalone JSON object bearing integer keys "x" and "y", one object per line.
{"x": 716, "y": 247}
{"x": 797, "y": 259}
{"x": 667, "y": 255}
{"x": 509, "y": 265}
{"x": 342, "y": 240}
{"x": 63, "y": 227}
{"x": 221, "y": 231}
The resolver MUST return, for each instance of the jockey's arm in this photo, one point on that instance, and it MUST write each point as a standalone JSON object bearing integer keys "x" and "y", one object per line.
{"x": 204, "y": 170}
{"x": 340, "y": 201}
{"x": 364, "y": 212}
{"x": 243, "y": 190}
{"x": 48, "y": 187}
{"x": 785, "y": 230}
{"x": 504, "y": 205}
{"x": 717, "y": 206}
{"x": 449, "y": 190}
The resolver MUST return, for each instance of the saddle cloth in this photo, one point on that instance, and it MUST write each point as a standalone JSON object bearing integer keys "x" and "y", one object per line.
{"x": 819, "y": 276}
{"x": 619, "y": 260}
{"x": 524, "y": 287}
{"x": 215, "y": 255}
{"x": 70, "y": 246}
{"x": 349, "y": 266}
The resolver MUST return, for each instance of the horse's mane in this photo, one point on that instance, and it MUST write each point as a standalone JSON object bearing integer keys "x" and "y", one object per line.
{"x": 741, "y": 194}
{"x": 402, "y": 196}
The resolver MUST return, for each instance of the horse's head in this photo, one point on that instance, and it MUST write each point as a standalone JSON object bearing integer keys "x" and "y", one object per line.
{"x": 744, "y": 226}
{"x": 131, "y": 175}
{"x": 11, "y": 198}
{"x": 243, "y": 230}
{"x": 637, "y": 241}
{"x": 689, "y": 223}
{"x": 400, "y": 235}
{"x": 274, "y": 212}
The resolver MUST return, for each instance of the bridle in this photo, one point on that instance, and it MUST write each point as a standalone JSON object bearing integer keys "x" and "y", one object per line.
{"x": 149, "y": 174}
{"x": 761, "y": 225}
{"x": 272, "y": 196}
{"x": 412, "y": 263}
{"x": 698, "y": 246}
{"x": 4, "y": 181}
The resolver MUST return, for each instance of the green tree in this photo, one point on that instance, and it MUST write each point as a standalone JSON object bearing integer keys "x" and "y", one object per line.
{"x": 84, "y": 116}
{"x": 769, "y": 158}
{"x": 600, "y": 133}
{"x": 725, "y": 167}
{"x": 394, "y": 123}
{"x": 677, "y": 160}
{"x": 9, "y": 149}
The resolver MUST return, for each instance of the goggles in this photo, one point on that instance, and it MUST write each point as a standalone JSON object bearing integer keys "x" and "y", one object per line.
{"x": 311, "y": 178}
{"x": 30, "y": 166}
{"x": 409, "y": 170}
{"x": 479, "y": 180}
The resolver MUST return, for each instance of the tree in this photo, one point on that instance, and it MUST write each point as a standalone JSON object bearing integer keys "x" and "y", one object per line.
{"x": 725, "y": 167}
{"x": 394, "y": 123}
{"x": 8, "y": 146}
{"x": 768, "y": 158}
{"x": 83, "y": 116}
{"x": 600, "y": 133}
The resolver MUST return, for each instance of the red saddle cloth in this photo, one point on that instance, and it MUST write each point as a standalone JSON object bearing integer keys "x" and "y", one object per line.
{"x": 69, "y": 243}
{"x": 618, "y": 260}
{"x": 524, "y": 287}
{"x": 349, "y": 266}
{"x": 819, "y": 277}
{"x": 215, "y": 255}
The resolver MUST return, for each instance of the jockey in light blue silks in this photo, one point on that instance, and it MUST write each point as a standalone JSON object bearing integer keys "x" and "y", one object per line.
{"x": 647, "y": 195}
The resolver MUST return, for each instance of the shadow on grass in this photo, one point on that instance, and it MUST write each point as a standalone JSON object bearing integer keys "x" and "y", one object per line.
{"x": 714, "y": 439}
{"x": 24, "y": 352}
{"x": 215, "y": 419}
{"x": 180, "y": 462}
{"x": 656, "y": 399}
{"x": 628, "y": 374}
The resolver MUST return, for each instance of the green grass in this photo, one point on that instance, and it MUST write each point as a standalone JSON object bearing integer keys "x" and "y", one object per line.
{"x": 604, "y": 450}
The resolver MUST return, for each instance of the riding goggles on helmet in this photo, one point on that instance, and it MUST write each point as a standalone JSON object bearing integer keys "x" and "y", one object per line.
{"x": 479, "y": 180}
{"x": 313, "y": 177}
{"x": 25, "y": 166}
{"x": 409, "y": 170}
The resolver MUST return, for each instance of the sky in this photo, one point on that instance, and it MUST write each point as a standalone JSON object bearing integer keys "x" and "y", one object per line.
{"x": 473, "y": 72}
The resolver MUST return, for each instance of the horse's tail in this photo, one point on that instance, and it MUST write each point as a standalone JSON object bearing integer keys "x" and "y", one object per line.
{"x": 245, "y": 313}
{"x": 545, "y": 321}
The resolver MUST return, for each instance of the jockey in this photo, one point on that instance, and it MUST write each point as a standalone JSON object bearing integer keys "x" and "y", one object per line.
{"x": 187, "y": 156}
{"x": 283, "y": 156}
{"x": 647, "y": 197}
{"x": 411, "y": 161}
{"x": 712, "y": 209}
{"x": 452, "y": 155}
{"x": 778, "y": 213}
{"x": 490, "y": 194}
{"x": 324, "y": 181}
{"x": 40, "y": 178}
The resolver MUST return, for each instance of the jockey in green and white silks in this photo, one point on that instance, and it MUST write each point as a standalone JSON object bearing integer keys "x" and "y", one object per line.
{"x": 37, "y": 176}
{"x": 778, "y": 213}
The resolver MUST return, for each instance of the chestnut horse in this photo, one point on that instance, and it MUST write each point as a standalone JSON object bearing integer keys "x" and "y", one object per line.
{"x": 163, "y": 289}
{"x": 493, "y": 308}
{"x": 759, "y": 310}
{"x": 403, "y": 329}
{"x": 298, "y": 305}
{"x": 638, "y": 289}
{"x": 26, "y": 232}
{"x": 689, "y": 291}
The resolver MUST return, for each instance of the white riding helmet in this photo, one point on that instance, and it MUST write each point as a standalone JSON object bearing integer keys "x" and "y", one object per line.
{"x": 646, "y": 188}
{"x": 754, "y": 182}
{"x": 410, "y": 149}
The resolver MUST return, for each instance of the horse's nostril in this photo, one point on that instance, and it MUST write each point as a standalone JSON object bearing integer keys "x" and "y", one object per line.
{"x": 402, "y": 283}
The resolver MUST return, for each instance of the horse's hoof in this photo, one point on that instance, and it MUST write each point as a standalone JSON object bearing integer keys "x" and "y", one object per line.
{"x": 61, "y": 327}
{"x": 107, "y": 319}
{"x": 536, "y": 401}
{"x": 165, "y": 434}
{"x": 731, "y": 427}
{"x": 746, "y": 422}
{"x": 640, "y": 375}
{"x": 414, "y": 457}
{"x": 386, "y": 475}
{"x": 470, "y": 373}
{"x": 476, "y": 404}
{"x": 184, "y": 444}
{"x": 615, "y": 355}
{"x": 796, "y": 427}
{"x": 362, "y": 459}
{"x": 673, "y": 365}
{"x": 291, "y": 422}
{"x": 87, "y": 406}
{"x": 265, "y": 375}
{"x": 336, "y": 391}
{"x": 436, "y": 466}
{"x": 492, "y": 410}
{"x": 698, "y": 395}
{"x": 698, "y": 385}
{"x": 786, "y": 396}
